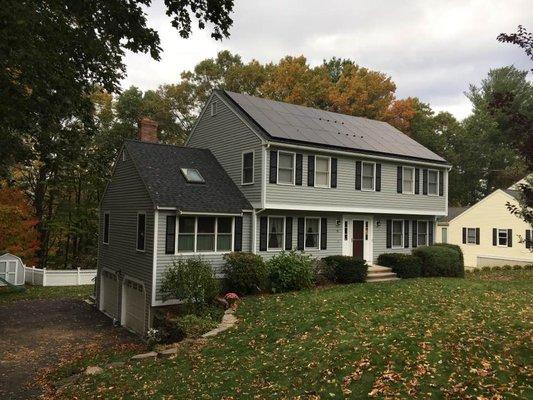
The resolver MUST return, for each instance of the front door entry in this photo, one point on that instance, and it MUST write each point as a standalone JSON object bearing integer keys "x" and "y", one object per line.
{"x": 358, "y": 239}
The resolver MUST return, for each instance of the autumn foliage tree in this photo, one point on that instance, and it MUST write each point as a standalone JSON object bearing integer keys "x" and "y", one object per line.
{"x": 17, "y": 226}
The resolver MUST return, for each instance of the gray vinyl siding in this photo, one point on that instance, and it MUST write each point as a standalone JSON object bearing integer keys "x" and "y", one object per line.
{"x": 227, "y": 136}
{"x": 334, "y": 245}
{"x": 216, "y": 260}
{"x": 345, "y": 195}
{"x": 125, "y": 196}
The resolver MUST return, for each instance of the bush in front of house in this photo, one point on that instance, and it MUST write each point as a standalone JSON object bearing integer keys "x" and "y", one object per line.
{"x": 440, "y": 261}
{"x": 347, "y": 269}
{"x": 192, "y": 281}
{"x": 245, "y": 273}
{"x": 290, "y": 271}
{"x": 455, "y": 247}
{"x": 324, "y": 273}
{"x": 404, "y": 265}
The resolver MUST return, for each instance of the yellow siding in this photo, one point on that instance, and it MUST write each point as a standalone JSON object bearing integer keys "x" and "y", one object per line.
{"x": 489, "y": 213}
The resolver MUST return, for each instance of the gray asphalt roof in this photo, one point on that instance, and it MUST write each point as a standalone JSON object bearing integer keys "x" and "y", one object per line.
{"x": 159, "y": 166}
{"x": 293, "y": 123}
{"x": 515, "y": 193}
{"x": 453, "y": 212}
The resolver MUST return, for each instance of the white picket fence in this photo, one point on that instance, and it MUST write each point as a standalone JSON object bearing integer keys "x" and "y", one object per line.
{"x": 64, "y": 277}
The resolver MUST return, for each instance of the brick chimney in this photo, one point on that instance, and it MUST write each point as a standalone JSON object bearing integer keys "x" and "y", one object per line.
{"x": 147, "y": 130}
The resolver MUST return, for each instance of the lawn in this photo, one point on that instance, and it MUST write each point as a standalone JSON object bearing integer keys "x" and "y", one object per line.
{"x": 421, "y": 338}
{"x": 39, "y": 292}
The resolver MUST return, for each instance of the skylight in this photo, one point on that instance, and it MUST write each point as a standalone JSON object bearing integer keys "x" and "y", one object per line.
{"x": 192, "y": 175}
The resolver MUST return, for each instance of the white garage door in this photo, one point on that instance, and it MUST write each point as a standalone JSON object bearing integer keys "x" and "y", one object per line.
{"x": 133, "y": 306}
{"x": 109, "y": 293}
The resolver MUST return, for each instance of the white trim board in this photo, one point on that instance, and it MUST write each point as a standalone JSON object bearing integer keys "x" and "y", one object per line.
{"x": 347, "y": 210}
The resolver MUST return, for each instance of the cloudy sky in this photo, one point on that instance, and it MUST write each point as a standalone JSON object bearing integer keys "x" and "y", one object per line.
{"x": 431, "y": 49}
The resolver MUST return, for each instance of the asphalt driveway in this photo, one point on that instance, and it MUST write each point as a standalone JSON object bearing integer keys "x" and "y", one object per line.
{"x": 36, "y": 335}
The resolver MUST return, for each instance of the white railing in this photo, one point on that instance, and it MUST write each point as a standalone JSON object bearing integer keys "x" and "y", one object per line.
{"x": 63, "y": 277}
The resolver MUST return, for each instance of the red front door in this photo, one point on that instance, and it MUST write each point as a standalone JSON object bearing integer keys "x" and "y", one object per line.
{"x": 358, "y": 240}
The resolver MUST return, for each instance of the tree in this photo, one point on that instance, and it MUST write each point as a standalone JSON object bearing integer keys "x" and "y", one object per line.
{"x": 521, "y": 38}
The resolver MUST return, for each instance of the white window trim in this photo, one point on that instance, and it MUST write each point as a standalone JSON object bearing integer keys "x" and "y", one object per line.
{"x": 412, "y": 179}
{"x": 437, "y": 186}
{"x": 418, "y": 232}
{"x": 319, "y": 233}
{"x": 506, "y": 237}
{"x": 392, "y": 234}
{"x": 108, "y": 228}
{"x": 214, "y": 108}
{"x": 196, "y": 252}
{"x": 242, "y": 168}
{"x": 328, "y": 186}
{"x": 137, "y": 233}
{"x": 283, "y": 233}
{"x": 293, "y": 168}
{"x": 475, "y": 236}
{"x": 373, "y": 176}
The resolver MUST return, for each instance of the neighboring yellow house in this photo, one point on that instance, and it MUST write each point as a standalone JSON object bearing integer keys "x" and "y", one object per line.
{"x": 488, "y": 233}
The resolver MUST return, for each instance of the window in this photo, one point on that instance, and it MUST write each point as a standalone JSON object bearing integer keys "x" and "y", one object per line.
{"x": 214, "y": 108}
{"x": 322, "y": 171}
{"x": 433, "y": 182}
{"x": 471, "y": 236}
{"x": 408, "y": 184}
{"x": 141, "y": 231}
{"x": 192, "y": 175}
{"x": 444, "y": 235}
{"x": 170, "y": 235}
{"x": 312, "y": 233}
{"x": 422, "y": 233}
{"x": 106, "y": 228}
{"x": 248, "y": 168}
{"x": 345, "y": 230}
{"x": 397, "y": 233}
{"x": 368, "y": 176}
{"x": 275, "y": 233}
{"x": 286, "y": 168}
{"x": 502, "y": 237}
{"x": 205, "y": 234}
{"x": 186, "y": 234}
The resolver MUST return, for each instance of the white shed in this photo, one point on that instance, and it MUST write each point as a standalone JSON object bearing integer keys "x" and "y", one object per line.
{"x": 11, "y": 270}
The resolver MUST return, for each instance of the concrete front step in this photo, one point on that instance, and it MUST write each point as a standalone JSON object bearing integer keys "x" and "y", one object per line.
{"x": 378, "y": 268}
{"x": 378, "y": 275}
{"x": 382, "y": 280}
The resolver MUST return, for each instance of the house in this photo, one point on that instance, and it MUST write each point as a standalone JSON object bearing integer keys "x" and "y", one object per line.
{"x": 261, "y": 176}
{"x": 488, "y": 233}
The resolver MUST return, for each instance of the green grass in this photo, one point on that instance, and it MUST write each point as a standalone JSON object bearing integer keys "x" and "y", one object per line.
{"x": 39, "y": 292}
{"x": 421, "y": 338}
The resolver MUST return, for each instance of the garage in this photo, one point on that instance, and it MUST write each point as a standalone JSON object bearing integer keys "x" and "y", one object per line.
{"x": 109, "y": 293}
{"x": 133, "y": 305}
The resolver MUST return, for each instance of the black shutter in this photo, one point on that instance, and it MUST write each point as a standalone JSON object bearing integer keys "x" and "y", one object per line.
{"x": 358, "y": 175}
{"x": 263, "y": 222}
{"x": 299, "y": 169}
{"x": 333, "y": 172}
{"x": 288, "y": 233}
{"x": 494, "y": 236}
{"x": 425, "y": 181}
{"x": 310, "y": 170}
{"x": 237, "y": 244}
{"x": 430, "y": 231}
{"x": 509, "y": 238}
{"x": 378, "y": 177}
{"x": 301, "y": 228}
{"x": 464, "y": 235}
{"x": 388, "y": 233}
{"x": 415, "y": 233}
{"x": 141, "y": 228}
{"x": 406, "y": 233}
{"x": 441, "y": 183}
{"x": 170, "y": 235}
{"x": 273, "y": 166}
{"x": 477, "y": 236}
{"x": 399, "y": 187}
{"x": 529, "y": 239}
{"x": 417, "y": 180}
{"x": 323, "y": 233}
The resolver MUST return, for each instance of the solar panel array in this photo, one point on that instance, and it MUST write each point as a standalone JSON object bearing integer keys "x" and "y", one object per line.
{"x": 293, "y": 122}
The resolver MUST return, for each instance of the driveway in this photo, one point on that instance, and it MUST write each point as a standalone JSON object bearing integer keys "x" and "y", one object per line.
{"x": 37, "y": 334}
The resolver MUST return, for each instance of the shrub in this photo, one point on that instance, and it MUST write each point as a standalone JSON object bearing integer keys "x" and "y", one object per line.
{"x": 440, "y": 261}
{"x": 246, "y": 273}
{"x": 347, "y": 269}
{"x": 404, "y": 265}
{"x": 455, "y": 247}
{"x": 528, "y": 266}
{"x": 507, "y": 267}
{"x": 497, "y": 268}
{"x": 192, "y": 281}
{"x": 193, "y": 326}
{"x": 323, "y": 273}
{"x": 488, "y": 268}
{"x": 290, "y": 271}
{"x": 517, "y": 267}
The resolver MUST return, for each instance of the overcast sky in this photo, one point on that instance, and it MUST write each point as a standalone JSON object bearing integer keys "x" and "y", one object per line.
{"x": 431, "y": 49}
